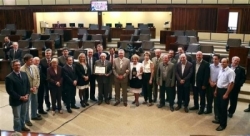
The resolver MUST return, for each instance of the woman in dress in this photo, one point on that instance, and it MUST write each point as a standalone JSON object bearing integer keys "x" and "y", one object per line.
{"x": 147, "y": 76}
{"x": 135, "y": 78}
{"x": 55, "y": 79}
{"x": 82, "y": 72}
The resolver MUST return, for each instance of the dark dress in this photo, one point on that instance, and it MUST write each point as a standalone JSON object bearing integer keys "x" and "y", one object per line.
{"x": 82, "y": 70}
{"x": 135, "y": 82}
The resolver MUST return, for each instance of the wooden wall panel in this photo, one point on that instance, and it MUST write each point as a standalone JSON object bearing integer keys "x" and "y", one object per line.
{"x": 240, "y": 1}
{"x": 194, "y": 1}
{"x": 86, "y": 1}
{"x": 209, "y": 1}
{"x": 35, "y": 2}
{"x": 148, "y": 1}
{"x": 22, "y": 2}
{"x": 76, "y": 2}
{"x": 225, "y": 1}
{"x": 179, "y": 1}
{"x": 222, "y": 20}
{"x": 9, "y": 2}
{"x": 245, "y": 21}
{"x": 58, "y": 2}
{"x": 164, "y": 1}
{"x": 133, "y": 1}
{"x": 49, "y": 2}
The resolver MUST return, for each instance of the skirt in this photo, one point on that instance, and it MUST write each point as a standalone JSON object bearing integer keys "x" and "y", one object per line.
{"x": 135, "y": 83}
{"x": 82, "y": 87}
{"x": 135, "y": 90}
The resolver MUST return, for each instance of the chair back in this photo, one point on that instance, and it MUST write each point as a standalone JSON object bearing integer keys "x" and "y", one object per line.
{"x": 144, "y": 37}
{"x": 88, "y": 44}
{"x": 191, "y": 33}
{"x": 59, "y": 31}
{"x": 192, "y": 39}
{"x": 5, "y": 32}
{"x": 82, "y": 31}
{"x": 129, "y": 27}
{"x": 207, "y": 49}
{"x": 136, "y": 32}
{"x": 39, "y": 44}
{"x": 47, "y": 32}
{"x": 147, "y": 45}
{"x": 23, "y": 44}
{"x": 145, "y": 31}
{"x": 54, "y": 36}
{"x": 96, "y": 37}
{"x": 11, "y": 27}
{"x": 193, "y": 48}
{"x": 21, "y": 33}
{"x": 35, "y": 36}
{"x": 182, "y": 40}
{"x": 179, "y": 33}
{"x": 93, "y": 27}
{"x": 234, "y": 42}
{"x": 72, "y": 45}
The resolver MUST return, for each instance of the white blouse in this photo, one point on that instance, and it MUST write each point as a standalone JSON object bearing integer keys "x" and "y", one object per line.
{"x": 146, "y": 66}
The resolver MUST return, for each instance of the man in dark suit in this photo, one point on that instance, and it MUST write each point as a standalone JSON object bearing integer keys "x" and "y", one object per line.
{"x": 43, "y": 92}
{"x": 18, "y": 87}
{"x": 91, "y": 61}
{"x": 103, "y": 79}
{"x": 15, "y": 53}
{"x": 181, "y": 51}
{"x": 240, "y": 78}
{"x": 200, "y": 81}
{"x": 7, "y": 46}
{"x": 99, "y": 49}
{"x": 184, "y": 70}
{"x": 69, "y": 83}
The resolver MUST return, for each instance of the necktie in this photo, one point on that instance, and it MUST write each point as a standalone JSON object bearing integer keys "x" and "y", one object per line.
{"x": 120, "y": 63}
{"x": 48, "y": 61}
{"x": 19, "y": 75}
{"x": 102, "y": 63}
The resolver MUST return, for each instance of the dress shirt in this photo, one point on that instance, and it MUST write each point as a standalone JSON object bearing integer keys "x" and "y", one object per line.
{"x": 183, "y": 67}
{"x": 120, "y": 63}
{"x": 225, "y": 77}
{"x": 214, "y": 72}
{"x": 234, "y": 67}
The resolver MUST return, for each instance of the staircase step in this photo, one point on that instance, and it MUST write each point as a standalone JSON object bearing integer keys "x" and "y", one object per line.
{"x": 244, "y": 98}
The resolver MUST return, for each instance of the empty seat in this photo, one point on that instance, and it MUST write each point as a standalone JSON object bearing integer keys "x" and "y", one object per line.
{"x": 93, "y": 27}
{"x": 84, "y": 37}
{"x": 147, "y": 45}
{"x": 191, "y": 33}
{"x": 47, "y": 31}
{"x": 145, "y": 31}
{"x": 193, "y": 48}
{"x": 105, "y": 28}
{"x": 179, "y": 33}
{"x": 82, "y": 31}
{"x": 233, "y": 43}
{"x": 23, "y": 44}
{"x": 74, "y": 45}
{"x": 181, "y": 41}
{"x": 129, "y": 27}
{"x": 59, "y": 31}
{"x": 78, "y": 52}
{"x": 21, "y": 33}
{"x": 5, "y": 32}
{"x": 39, "y": 44}
{"x": 35, "y": 36}
{"x": 25, "y": 51}
{"x": 88, "y": 44}
{"x": 192, "y": 39}
{"x": 11, "y": 27}
{"x": 144, "y": 37}
{"x": 56, "y": 38}
{"x": 97, "y": 37}
{"x": 143, "y": 26}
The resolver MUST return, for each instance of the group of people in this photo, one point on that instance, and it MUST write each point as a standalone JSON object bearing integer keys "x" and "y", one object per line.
{"x": 31, "y": 83}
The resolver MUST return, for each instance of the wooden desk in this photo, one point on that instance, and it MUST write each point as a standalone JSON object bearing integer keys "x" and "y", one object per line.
{"x": 5, "y": 69}
{"x": 164, "y": 34}
{"x": 170, "y": 39}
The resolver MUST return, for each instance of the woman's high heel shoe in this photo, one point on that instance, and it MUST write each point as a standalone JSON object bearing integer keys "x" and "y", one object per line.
{"x": 82, "y": 104}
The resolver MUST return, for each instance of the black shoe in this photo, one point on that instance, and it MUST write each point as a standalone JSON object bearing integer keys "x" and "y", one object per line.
{"x": 216, "y": 121}
{"x": 160, "y": 105}
{"x": 194, "y": 108}
{"x": 28, "y": 123}
{"x": 48, "y": 109}
{"x": 69, "y": 110}
{"x": 155, "y": 100}
{"x": 133, "y": 102}
{"x": 42, "y": 112}
{"x": 93, "y": 99}
{"x": 75, "y": 107}
{"x": 83, "y": 104}
{"x": 200, "y": 112}
{"x": 110, "y": 98}
{"x": 207, "y": 112}
{"x": 87, "y": 104}
{"x": 247, "y": 110}
{"x": 116, "y": 103}
{"x": 25, "y": 129}
{"x": 177, "y": 108}
{"x": 107, "y": 102}
{"x": 220, "y": 128}
{"x": 230, "y": 115}
{"x": 125, "y": 104}
{"x": 36, "y": 118}
{"x": 186, "y": 109}
{"x": 100, "y": 102}
{"x": 38, "y": 115}
{"x": 172, "y": 108}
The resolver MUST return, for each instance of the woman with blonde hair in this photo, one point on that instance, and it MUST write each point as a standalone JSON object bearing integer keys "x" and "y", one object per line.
{"x": 135, "y": 78}
{"x": 83, "y": 73}
{"x": 147, "y": 76}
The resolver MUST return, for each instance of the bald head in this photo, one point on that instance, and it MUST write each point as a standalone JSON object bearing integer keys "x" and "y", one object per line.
{"x": 224, "y": 62}
{"x": 183, "y": 58}
{"x": 158, "y": 53}
{"x": 36, "y": 61}
{"x": 199, "y": 56}
{"x": 235, "y": 61}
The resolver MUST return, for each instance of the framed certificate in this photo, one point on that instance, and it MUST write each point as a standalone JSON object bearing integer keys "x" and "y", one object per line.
{"x": 100, "y": 70}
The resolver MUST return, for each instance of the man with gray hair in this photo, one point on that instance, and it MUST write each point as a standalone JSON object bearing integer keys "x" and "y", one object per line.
{"x": 121, "y": 67}
{"x": 91, "y": 61}
{"x": 240, "y": 78}
{"x": 103, "y": 79}
{"x": 15, "y": 52}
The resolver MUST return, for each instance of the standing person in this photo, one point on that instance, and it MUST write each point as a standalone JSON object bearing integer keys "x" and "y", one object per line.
{"x": 34, "y": 80}
{"x": 15, "y": 52}
{"x": 174, "y": 61}
{"x": 18, "y": 87}
{"x": 111, "y": 58}
{"x": 69, "y": 84}
{"x": 7, "y": 46}
{"x": 103, "y": 79}
{"x": 147, "y": 78}
{"x": 214, "y": 72}
{"x": 121, "y": 67}
{"x": 135, "y": 78}
{"x": 165, "y": 79}
{"x": 43, "y": 91}
{"x": 180, "y": 51}
{"x": 156, "y": 61}
{"x": 83, "y": 74}
{"x": 62, "y": 62}
{"x": 184, "y": 71}
{"x": 99, "y": 49}
{"x": 224, "y": 85}
{"x": 55, "y": 79}
{"x": 240, "y": 78}
{"x": 200, "y": 82}
{"x": 91, "y": 62}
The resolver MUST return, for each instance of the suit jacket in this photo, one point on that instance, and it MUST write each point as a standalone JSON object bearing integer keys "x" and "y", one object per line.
{"x": 121, "y": 71}
{"x": 173, "y": 60}
{"x": 17, "y": 87}
{"x": 69, "y": 75}
{"x": 54, "y": 77}
{"x": 154, "y": 60}
{"x": 189, "y": 58}
{"x": 203, "y": 74}
{"x": 61, "y": 61}
{"x": 80, "y": 72}
{"x": 44, "y": 66}
{"x": 34, "y": 78}
{"x": 97, "y": 55}
{"x": 18, "y": 54}
{"x": 108, "y": 67}
{"x": 6, "y": 46}
{"x": 187, "y": 73}
{"x": 240, "y": 76}
{"x": 170, "y": 79}
{"x": 94, "y": 59}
